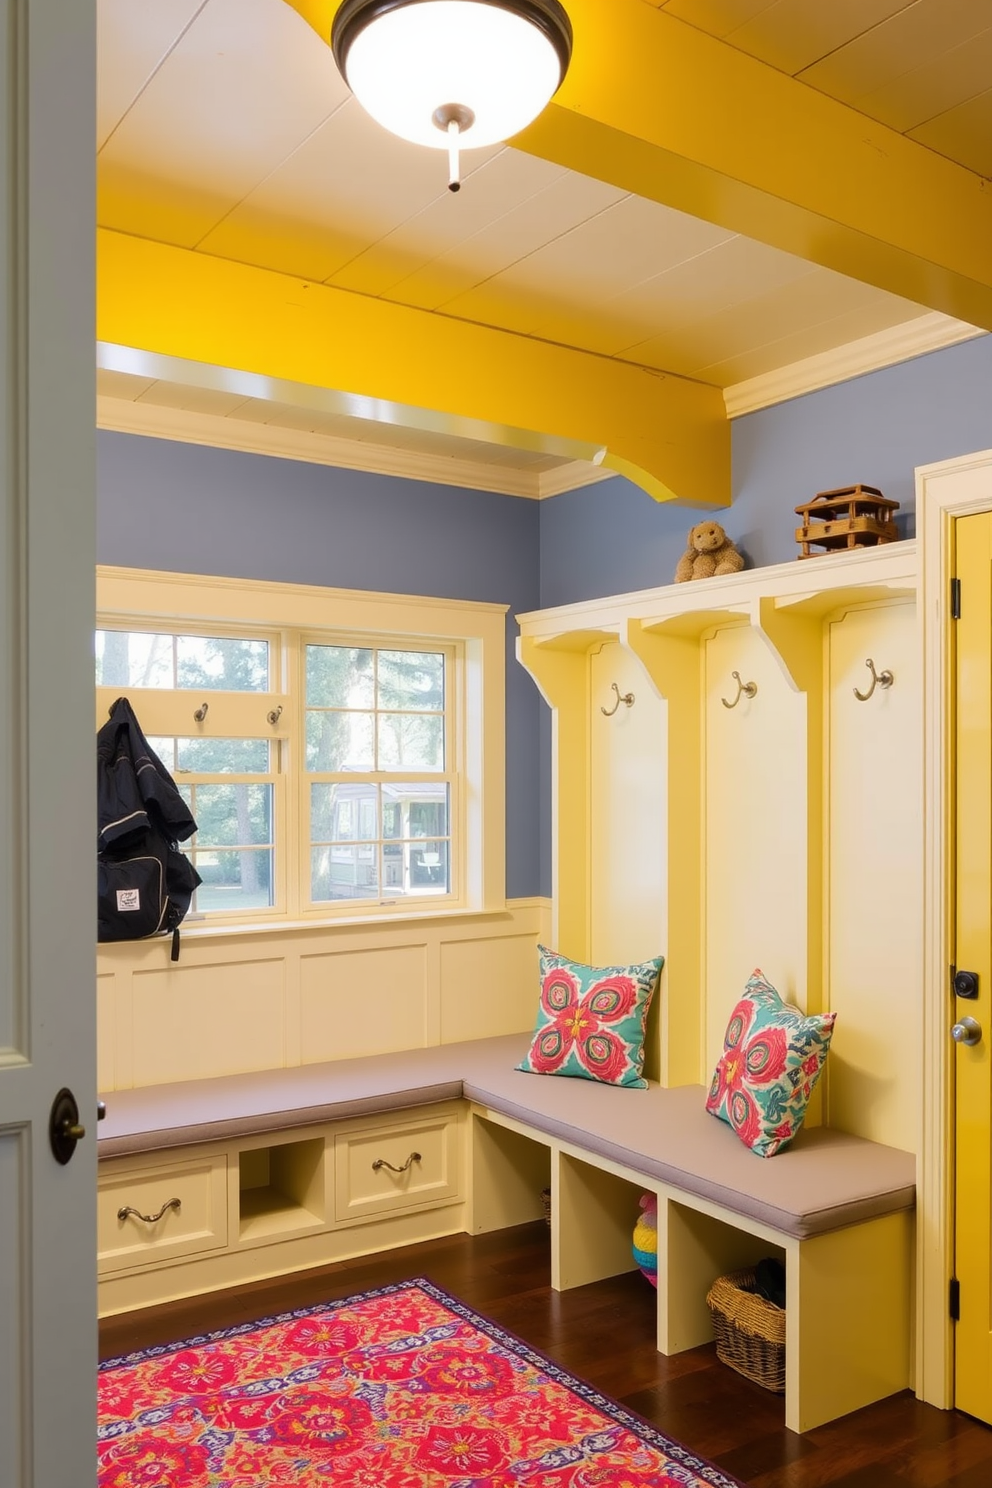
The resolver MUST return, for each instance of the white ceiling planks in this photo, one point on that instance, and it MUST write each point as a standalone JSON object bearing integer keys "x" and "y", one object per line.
{"x": 225, "y": 127}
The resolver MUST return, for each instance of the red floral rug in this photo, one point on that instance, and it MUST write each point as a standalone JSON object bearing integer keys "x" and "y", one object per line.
{"x": 399, "y": 1388}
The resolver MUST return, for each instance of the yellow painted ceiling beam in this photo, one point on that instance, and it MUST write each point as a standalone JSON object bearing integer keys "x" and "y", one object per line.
{"x": 668, "y": 434}
{"x": 658, "y": 108}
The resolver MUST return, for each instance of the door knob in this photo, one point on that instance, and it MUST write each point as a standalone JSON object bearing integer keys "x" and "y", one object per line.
{"x": 64, "y": 1127}
{"x": 967, "y": 1032}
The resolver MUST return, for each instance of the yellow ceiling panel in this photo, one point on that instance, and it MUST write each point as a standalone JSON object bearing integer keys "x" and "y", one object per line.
{"x": 567, "y": 200}
{"x": 914, "y": 36}
{"x": 496, "y": 183}
{"x": 214, "y": 121}
{"x": 963, "y": 133}
{"x": 132, "y": 42}
{"x": 715, "y": 16}
{"x": 329, "y": 200}
{"x": 791, "y": 34}
{"x": 935, "y": 87}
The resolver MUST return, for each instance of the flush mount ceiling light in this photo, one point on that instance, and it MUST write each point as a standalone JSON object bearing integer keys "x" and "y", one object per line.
{"x": 452, "y": 74}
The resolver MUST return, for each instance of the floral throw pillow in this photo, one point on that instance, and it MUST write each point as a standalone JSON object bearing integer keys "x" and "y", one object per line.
{"x": 772, "y": 1058}
{"x": 590, "y": 1020}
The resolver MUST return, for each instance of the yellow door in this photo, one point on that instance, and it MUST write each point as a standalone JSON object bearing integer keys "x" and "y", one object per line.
{"x": 971, "y": 1006}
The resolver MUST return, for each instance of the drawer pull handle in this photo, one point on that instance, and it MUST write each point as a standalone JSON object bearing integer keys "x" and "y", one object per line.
{"x": 381, "y": 1162}
{"x": 176, "y": 1204}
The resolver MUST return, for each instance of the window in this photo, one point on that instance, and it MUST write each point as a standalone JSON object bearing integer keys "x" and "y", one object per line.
{"x": 378, "y": 746}
{"x": 331, "y": 769}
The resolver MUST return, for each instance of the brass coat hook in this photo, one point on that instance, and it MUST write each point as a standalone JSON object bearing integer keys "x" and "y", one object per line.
{"x": 622, "y": 697}
{"x": 744, "y": 689}
{"x": 878, "y": 679}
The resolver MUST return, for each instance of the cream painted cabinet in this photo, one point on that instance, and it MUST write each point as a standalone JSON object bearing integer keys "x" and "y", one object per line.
{"x": 747, "y": 809}
{"x": 397, "y": 1165}
{"x": 149, "y": 1212}
{"x": 173, "y": 1224}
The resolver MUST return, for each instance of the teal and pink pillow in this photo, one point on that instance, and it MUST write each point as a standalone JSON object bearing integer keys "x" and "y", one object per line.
{"x": 772, "y": 1058}
{"x": 590, "y": 1020}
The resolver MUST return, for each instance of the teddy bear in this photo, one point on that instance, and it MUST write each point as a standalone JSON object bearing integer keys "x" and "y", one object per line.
{"x": 710, "y": 553}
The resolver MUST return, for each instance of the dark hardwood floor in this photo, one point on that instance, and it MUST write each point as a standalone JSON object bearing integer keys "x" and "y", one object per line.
{"x": 605, "y": 1333}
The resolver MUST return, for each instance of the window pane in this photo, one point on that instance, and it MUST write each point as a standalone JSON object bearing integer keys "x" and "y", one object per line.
{"x": 415, "y": 868}
{"x": 224, "y": 663}
{"x": 231, "y": 815}
{"x": 133, "y": 658}
{"x": 344, "y": 871}
{"x": 213, "y": 756}
{"x": 411, "y": 679}
{"x": 429, "y": 867}
{"x": 339, "y": 677}
{"x": 411, "y": 741}
{"x": 343, "y": 813}
{"x": 339, "y": 741}
{"x": 419, "y": 809}
{"x": 233, "y": 880}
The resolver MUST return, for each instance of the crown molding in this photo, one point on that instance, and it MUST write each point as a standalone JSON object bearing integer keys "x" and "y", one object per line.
{"x": 571, "y": 477}
{"x": 900, "y": 343}
{"x": 190, "y": 427}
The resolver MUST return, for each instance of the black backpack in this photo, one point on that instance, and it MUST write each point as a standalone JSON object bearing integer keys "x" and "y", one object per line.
{"x": 144, "y": 883}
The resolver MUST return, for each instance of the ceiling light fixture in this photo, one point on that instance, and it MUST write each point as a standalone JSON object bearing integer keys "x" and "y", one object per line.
{"x": 452, "y": 74}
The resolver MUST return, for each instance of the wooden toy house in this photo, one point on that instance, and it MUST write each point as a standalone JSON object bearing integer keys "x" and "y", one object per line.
{"x": 849, "y": 517}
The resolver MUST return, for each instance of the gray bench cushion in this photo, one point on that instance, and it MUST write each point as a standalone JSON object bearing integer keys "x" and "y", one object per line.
{"x": 824, "y": 1181}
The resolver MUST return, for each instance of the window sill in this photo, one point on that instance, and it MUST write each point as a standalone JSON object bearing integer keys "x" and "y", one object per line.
{"x": 198, "y": 931}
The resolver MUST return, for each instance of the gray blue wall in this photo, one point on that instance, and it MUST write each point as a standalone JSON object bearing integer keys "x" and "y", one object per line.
{"x": 610, "y": 538}
{"x": 187, "y": 508}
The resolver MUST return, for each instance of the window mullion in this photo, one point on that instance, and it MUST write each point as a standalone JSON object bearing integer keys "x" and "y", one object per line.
{"x": 294, "y": 826}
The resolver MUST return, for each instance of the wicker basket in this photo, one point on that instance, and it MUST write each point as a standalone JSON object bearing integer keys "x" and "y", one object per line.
{"x": 750, "y": 1331}
{"x": 546, "y": 1204}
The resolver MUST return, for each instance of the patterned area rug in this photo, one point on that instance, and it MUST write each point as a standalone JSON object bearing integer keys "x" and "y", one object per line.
{"x": 403, "y": 1387}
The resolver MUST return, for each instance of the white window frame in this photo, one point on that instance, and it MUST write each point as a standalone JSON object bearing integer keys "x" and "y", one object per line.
{"x": 474, "y": 638}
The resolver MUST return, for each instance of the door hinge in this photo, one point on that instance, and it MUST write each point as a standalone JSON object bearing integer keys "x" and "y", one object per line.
{"x": 954, "y": 1299}
{"x": 955, "y": 599}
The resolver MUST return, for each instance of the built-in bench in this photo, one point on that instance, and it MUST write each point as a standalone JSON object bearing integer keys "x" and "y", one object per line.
{"x": 835, "y": 1208}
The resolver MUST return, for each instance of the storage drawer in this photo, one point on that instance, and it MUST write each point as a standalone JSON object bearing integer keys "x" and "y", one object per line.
{"x": 199, "y": 1223}
{"x": 426, "y": 1151}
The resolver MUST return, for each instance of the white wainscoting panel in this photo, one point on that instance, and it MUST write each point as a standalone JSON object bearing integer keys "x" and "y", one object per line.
{"x": 362, "y": 1002}
{"x": 489, "y": 986}
{"x": 106, "y": 1063}
{"x": 190, "y": 1021}
{"x": 266, "y": 999}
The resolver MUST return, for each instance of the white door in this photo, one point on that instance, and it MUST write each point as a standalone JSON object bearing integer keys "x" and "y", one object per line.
{"x": 47, "y": 833}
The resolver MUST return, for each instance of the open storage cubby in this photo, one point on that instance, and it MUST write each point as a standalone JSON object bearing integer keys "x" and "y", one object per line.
{"x": 280, "y": 1188}
{"x": 509, "y": 1171}
{"x": 595, "y": 1212}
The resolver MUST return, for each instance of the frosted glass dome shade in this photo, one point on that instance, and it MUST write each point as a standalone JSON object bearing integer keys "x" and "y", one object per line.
{"x": 409, "y": 62}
